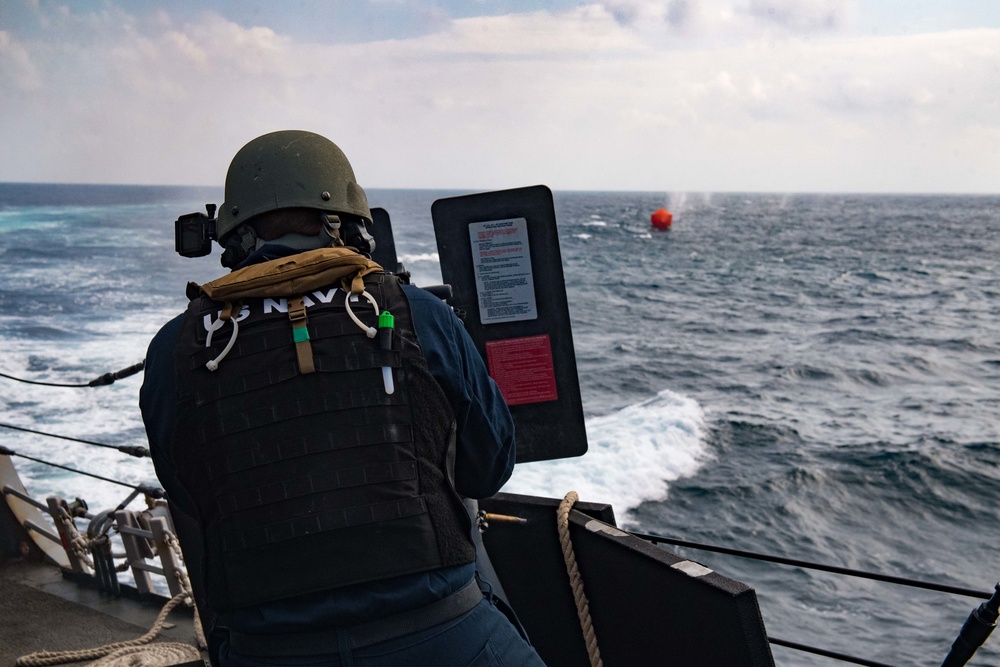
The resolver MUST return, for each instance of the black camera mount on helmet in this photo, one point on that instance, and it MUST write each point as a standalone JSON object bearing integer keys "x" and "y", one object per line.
{"x": 194, "y": 233}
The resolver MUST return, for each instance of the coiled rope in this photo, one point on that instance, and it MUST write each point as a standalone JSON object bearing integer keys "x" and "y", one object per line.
{"x": 133, "y": 652}
{"x": 163, "y": 654}
{"x": 575, "y": 580}
{"x": 149, "y": 656}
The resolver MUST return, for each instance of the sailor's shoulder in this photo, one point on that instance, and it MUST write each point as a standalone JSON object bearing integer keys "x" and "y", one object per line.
{"x": 168, "y": 334}
{"x": 421, "y": 299}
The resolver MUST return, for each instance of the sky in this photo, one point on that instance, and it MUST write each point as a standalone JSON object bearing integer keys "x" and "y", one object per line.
{"x": 643, "y": 95}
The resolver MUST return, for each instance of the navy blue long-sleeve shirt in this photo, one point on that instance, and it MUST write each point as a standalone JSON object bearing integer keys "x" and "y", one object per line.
{"x": 484, "y": 461}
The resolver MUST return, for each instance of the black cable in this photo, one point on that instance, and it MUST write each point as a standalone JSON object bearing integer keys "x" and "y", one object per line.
{"x": 131, "y": 450}
{"x": 941, "y": 588}
{"x": 153, "y": 491}
{"x": 46, "y": 384}
{"x": 106, "y": 379}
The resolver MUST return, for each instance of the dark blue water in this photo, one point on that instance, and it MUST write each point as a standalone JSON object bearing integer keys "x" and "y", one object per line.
{"x": 812, "y": 376}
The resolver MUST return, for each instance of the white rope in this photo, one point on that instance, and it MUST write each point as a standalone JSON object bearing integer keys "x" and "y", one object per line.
{"x": 162, "y": 654}
{"x": 78, "y": 544}
{"x": 185, "y": 581}
{"x": 575, "y": 580}
{"x": 44, "y": 658}
{"x": 135, "y": 652}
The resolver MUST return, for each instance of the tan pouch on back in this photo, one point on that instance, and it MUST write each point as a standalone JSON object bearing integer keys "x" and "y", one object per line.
{"x": 292, "y": 276}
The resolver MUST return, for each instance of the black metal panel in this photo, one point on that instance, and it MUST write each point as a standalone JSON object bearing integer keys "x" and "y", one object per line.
{"x": 385, "y": 244}
{"x": 645, "y": 611}
{"x": 547, "y": 429}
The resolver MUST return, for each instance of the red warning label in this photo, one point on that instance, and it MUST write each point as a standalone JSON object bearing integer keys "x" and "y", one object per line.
{"x": 522, "y": 368}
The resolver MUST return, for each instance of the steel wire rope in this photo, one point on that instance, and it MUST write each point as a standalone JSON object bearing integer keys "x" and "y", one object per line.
{"x": 885, "y": 578}
{"x": 131, "y": 450}
{"x": 901, "y": 581}
{"x": 843, "y": 657}
{"x": 152, "y": 491}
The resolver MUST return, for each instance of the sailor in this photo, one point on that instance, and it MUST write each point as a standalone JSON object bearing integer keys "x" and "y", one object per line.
{"x": 315, "y": 452}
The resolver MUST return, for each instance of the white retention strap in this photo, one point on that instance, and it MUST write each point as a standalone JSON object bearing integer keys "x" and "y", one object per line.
{"x": 371, "y": 332}
{"x": 216, "y": 325}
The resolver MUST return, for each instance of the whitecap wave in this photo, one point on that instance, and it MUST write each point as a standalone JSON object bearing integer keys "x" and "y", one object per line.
{"x": 633, "y": 455}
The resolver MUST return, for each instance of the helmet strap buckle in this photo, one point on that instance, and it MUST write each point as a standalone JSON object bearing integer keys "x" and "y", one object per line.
{"x": 239, "y": 245}
{"x": 331, "y": 226}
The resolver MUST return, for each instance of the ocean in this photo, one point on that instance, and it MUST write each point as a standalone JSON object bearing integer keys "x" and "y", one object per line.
{"x": 810, "y": 376}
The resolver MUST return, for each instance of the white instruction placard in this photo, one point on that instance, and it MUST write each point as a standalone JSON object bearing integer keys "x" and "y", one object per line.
{"x": 502, "y": 262}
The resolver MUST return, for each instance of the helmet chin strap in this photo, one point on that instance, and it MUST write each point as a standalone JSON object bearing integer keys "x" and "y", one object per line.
{"x": 244, "y": 240}
{"x": 328, "y": 236}
{"x": 331, "y": 228}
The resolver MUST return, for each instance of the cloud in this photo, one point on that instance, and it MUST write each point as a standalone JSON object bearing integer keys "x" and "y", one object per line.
{"x": 17, "y": 72}
{"x": 604, "y": 95}
{"x": 802, "y": 15}
{"x": 720, "y": 20}
{"x": 587, "y": 29}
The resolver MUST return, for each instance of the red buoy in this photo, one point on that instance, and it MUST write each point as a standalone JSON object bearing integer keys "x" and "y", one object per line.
{"x": 662, "y": 218}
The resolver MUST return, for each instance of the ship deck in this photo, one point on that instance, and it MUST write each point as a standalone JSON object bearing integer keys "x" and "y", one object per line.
{"x": 43, "y": 610}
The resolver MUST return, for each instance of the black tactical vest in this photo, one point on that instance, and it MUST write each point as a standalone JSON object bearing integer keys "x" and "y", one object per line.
{"x": 309, "y": 482}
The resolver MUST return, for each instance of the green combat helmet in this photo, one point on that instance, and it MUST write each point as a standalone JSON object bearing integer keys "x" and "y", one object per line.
{"x": 289, "y": 169}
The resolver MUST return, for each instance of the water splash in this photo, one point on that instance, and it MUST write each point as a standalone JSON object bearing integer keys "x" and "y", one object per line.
{"x": 633, "y": 455}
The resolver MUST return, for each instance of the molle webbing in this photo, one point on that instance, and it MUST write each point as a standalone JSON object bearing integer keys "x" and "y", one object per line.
{"x": 229, "y": 419}
{"x": 307, "y": 481}
{"x": 256, "y": 342}
{"x": 318, "y": 522}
